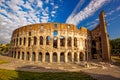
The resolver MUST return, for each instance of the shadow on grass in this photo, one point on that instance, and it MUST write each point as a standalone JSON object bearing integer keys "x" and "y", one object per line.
{"x": 39, "y": 73}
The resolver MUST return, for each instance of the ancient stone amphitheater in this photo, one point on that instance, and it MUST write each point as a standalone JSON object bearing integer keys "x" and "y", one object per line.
{"x": 56, "y": 42}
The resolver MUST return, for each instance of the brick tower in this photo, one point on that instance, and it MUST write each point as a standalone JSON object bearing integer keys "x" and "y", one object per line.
{"x": 104, "y": 38}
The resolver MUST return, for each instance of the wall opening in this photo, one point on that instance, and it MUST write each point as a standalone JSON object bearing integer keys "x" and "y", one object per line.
{"x": 54, "y": 57}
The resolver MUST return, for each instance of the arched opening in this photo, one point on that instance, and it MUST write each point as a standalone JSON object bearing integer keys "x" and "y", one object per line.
{"x": 62, "y": 57}
{"x": 62, "y": 41}
{"x": 33, "y": 56}
{"x": 47, "y": 57}
{"x": 20, "y": 41}
{"x": 69, "y": 57}
{"x": 75, "y": 42}
{"x": 40, "y": 57}
{"x": 94, "y": 51}
{"x": 18, "y": 55}
{"x": 12, "y": 54}
{"x": 24, "y": 41}
{"x": 29, "y": 41}
{"x": 22, "y": 55}
{"x": 81, "y": 56}
{"x": 15, "y": 54}
{"x": 75, "y": 57}
{"x": 55, "y": 42}
{"x": 28, "y": 56}
{"x": 69, "y": 41}
{"x": 41, "y": 40}
{"x": 54, "y": 57}
{"x": 35, "y": 40}
{"x": 16, "y": 41}
{"x": 47, "y": 40}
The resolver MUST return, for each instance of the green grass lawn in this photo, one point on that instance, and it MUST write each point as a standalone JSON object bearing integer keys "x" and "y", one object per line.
{"x": 21, "y": 75}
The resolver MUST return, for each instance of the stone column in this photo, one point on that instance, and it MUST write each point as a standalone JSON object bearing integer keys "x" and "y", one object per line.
{"x": 66, "y": 42}
{"x": 72, "y": 56}
{"x": 36, "y": 57}
{"x": 51, "y": 55}
{"x": 58, "y": 57}
{"x": 77, "y": 56}
{"x": 44, "y": 41}
{"x": 30, "y": 55}
{"x": 66, "y": 57}
{"x": 16, "y": 54}
{"x": 73, "y": 43}
{"x": 58, "y": 43}
{"x": 25, "y": 55}
{"x": 20, "y": 55}
{"x": 43, "y": 56}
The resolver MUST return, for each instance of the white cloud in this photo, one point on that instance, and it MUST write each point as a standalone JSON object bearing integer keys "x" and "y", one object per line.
{"x": 18, "y": 17}
{"x": 92, "y": 7}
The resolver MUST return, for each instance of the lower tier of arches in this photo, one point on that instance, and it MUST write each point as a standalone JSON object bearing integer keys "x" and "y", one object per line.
{"x": 50, "y": 56}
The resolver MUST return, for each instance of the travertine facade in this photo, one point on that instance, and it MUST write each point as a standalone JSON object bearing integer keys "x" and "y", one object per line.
{"x": 56, "y": 42}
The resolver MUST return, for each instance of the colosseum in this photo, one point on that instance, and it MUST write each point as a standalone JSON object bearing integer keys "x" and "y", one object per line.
{"x": 57, "y": 42}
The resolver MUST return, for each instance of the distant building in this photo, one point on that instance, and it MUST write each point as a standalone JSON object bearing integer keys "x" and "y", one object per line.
{"x": 56, "y": 42}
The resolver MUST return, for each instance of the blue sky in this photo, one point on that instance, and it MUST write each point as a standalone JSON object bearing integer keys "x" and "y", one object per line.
{"x": 17, "y": 13}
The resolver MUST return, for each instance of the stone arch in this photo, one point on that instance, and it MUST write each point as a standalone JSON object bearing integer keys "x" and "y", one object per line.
{"x": 62, "y": 41}
{"x": 24, "y": 41}
{"x": 81, "y": 56}
{"x": 75, "y": 57}
{"x": 69, "y": 57}
{"x": 20, "y": 41}
{"x": 28, "y": 56}
{"x": 47, "y": 57}
{"x": 62, "y": 57}
{"x": 35, "y": 40}
{"x": 54, "y": 57}
{"x": 23, "y": 55}
{"x": 29, "y": 41}
{"x": 40, "y": 57}
{"x": 55, "y": 40}
{"x": 75, "y": 41}
{"x": 69, "y": 41}
{"x": 19, "y": 55}
{"x": 47, "y": 40}
{"x": 41, "y": 40}
{"x": 33, "y": 56}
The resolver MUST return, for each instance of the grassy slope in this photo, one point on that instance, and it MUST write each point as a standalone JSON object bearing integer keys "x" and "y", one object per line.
{"x": 21, "y": 75}
{"x": 116, "y": 59}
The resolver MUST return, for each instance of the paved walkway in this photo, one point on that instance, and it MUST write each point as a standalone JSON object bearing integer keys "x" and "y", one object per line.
{"x": 105, "y": 72}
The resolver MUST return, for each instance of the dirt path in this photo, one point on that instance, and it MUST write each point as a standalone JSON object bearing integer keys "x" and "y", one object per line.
{"x": 106, "y": 73}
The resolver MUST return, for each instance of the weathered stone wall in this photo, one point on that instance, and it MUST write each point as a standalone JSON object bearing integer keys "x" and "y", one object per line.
{"x": 38, "y": 42}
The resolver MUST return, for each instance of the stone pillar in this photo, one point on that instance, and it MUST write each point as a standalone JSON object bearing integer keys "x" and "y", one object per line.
{"x": 66, "y": 57}
{"x": 36, "y": 57}
{"x": 58, "y": 57}
{"x": 66, "y": 42}
{"x": 37, "y": 41}
{"x": 25, "y": 55}
{"x": 77, "y": 56}
{"x": 44, "y": 41}
{"x": 58, "y": 43}
{"x": 16, "y": 54}
{"x": 30, "y": 55}
{"x": 72, "y": 56}
{"x": 72, "y": 42}
{"x": 20, "y": 55}
{"x": 43, "y": 56}
{"x": 51, "y": 55}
